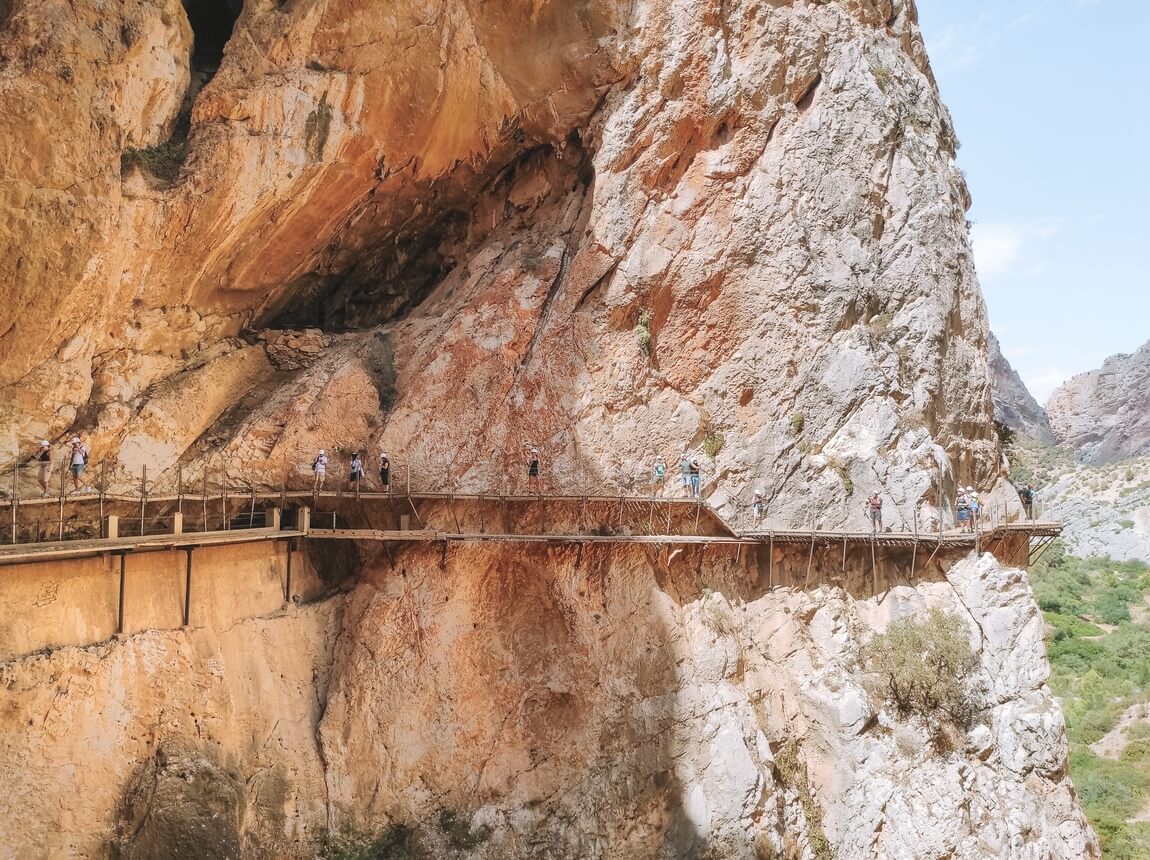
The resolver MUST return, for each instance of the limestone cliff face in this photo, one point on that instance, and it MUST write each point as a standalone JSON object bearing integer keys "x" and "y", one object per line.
{"x": 1102, "y": 414}
{"x": 494, "y": 196}
{"x": 544, "y": 703}
{"x": 1014, "y": 405}
{"x": 476, "y": 204}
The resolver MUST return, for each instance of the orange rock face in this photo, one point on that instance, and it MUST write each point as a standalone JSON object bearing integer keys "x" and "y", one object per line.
{"x": 452, "y": 229}
{"x": 487, "y": 202}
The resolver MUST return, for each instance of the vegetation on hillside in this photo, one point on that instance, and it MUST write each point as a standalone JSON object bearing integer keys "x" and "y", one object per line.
{"x": 1035, "y": 462}
{"x": 927, "y": 667}
{"x": 1098, "y": 637}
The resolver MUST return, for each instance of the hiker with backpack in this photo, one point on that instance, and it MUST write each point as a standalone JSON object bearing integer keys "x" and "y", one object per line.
{"x": 873, "y": 507}
{"x": 44, "y": 461}
{"x": 384, "y": 472}
{"x": 962, "y": 506}
{"x": 696, "y": 477}
{"x": 685, "y": 472}
{"x": 319, "y": 467}
{"x": 658, "y": 476}
{"x": 78, "y": 461}
{"x": 758, "y": 505}
{"x": 356, "y": 472}
{"x": 1026, "y": 496}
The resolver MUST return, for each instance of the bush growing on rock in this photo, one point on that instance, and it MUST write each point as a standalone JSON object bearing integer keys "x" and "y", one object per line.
{"x": 926, "y": 667}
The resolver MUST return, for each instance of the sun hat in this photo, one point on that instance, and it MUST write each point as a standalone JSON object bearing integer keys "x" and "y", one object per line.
{"x": 44, "y": 443}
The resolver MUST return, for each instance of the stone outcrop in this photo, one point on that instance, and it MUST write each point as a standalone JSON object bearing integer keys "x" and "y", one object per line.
{"x": 1014, "y": 405}
{"x": 612, "y": 230}
{"x": 492, "y": 204}
{"x": 550, "y": 702}
{"x": 1104, "y": 414}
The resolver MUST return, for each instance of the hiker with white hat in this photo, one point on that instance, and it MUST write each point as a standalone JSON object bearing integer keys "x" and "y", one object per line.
{"x": 533, "y": 469}
{"x": 319, "y": 467}
{"x": 758, "y": 504}
{"x": 44, "y": 459}
{"x": 962, "y": 509}
{"x": 78, "y": 461}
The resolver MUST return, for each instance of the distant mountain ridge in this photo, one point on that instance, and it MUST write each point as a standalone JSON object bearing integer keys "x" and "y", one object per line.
{"x": 1104, "y": 414}
{"x": 1014, "y": 405}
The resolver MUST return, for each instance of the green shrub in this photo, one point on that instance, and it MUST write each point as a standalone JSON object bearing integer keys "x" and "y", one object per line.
{"x": 713, "y": 444}
{"x": 395, "y": 843}
{"x": 163, "y": 160}
{"x": 1126, "y": 524}
{"x": 643, "y": 330}
{"x": 798, "y": 422}
{"x": 791, "y": 773}
{"x": 927, "y": 667}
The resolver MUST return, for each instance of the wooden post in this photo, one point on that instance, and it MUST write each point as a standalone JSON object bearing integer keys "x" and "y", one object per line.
{"x": 179, "y": 489}
{"x": 177, "y": 523}
{"x": 873, "y": 567}
{"x": 224, "y": 498}
{"x": 810, "y": 560}
{"x": 120, "y": 608}
{"x": 204, "y": 497}
{"x": 287, "y": 578}
{"x": 113, "y": 527}
{"x": 770, "y": 559}
{"x": 188, "y": 585}
{"x": 103, "y": 488}
{"x": 15, "y": 481}
{"x": 63, "y": 492}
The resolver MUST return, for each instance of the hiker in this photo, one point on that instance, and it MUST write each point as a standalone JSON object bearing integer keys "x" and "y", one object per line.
{"x": 975, "y": 508}
{"x": 384, "y": 472}
{"x": 356, "y": 472}
{"x": 78, "y": 460}
{"x": 693, "y": 470}
{"x": 659, "y": 476}
{"x": 319, "y": 467}
{"x": 685, "y": 472}
{"x": 962, "y": 506}
{"x": 533, "y": 471}
{"x": 874, "y": 512}
{"x": 758, "y": 505}
{"x": 1026, "y": 496}
{"x": 44, "y": 460}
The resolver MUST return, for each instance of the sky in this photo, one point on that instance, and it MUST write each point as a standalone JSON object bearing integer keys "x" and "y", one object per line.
{"x": 1051, "y": 101}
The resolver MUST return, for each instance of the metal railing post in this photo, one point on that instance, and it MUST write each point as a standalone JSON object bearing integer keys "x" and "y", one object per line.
{"x": 15, "y": 501}
{"x": 143, "y": 496}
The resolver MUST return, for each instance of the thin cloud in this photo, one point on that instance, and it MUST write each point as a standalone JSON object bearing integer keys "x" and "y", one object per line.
{"x": 998, "y": 248}
{"x": 1042, "y": 381}
{"x": 957, "y": 48}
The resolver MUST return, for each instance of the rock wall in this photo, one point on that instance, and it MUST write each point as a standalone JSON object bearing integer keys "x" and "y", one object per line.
{"x": 499, "y": 202}
{"x": 1014, "y": 405}
{"x": 546, "y": 703}
{"x": 1102, "y": 414}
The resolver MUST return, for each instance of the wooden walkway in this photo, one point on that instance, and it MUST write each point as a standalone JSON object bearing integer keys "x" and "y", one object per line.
{"x": 619, "y": 531}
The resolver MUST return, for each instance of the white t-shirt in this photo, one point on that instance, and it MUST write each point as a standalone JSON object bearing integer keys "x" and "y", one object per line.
{"x": 78, "y": 454}
{"x": 321, "y": 463}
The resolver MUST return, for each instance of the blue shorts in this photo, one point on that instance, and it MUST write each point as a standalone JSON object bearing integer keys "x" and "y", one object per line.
{"x": 963, "y": 515}
{"x": 78, "y": 469}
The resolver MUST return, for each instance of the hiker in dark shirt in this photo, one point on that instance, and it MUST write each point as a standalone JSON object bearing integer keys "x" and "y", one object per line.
{"x": 1026, "y": 496}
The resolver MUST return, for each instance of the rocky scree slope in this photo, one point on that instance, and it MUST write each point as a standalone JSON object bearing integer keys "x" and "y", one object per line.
{"x": 1103, "y": 414}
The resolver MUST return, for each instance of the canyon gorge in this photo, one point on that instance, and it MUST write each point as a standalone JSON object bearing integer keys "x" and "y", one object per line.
{"x": 239, "y": 232}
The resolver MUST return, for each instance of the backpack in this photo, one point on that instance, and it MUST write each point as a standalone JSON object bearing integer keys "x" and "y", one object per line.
{"x": 315, "y": 464}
